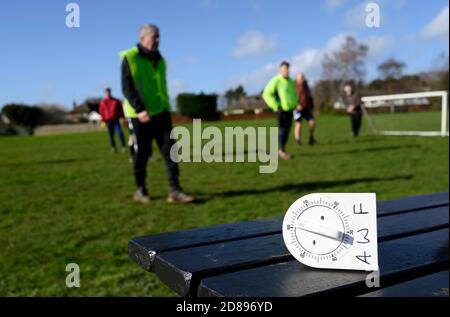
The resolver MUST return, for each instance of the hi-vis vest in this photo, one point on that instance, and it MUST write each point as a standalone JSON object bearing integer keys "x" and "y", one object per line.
{"x": 150, "y": 82}
{"x": 281, "y": 92}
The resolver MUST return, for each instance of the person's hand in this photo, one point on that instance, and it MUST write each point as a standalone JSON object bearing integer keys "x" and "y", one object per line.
{"x": 144, "y": 117}
{"x": 299, "y": 108}
{"x": 350, "y": 109}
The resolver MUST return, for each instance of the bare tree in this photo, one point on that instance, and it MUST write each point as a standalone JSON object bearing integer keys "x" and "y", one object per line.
{"x": 391, "y": 69}
{"x": 440, "y": 63}
{"x": 440, "y": 70}
{"x": 346, "y": 63}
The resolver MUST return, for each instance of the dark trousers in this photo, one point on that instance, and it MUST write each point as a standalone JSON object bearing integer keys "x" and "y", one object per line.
{"x": 356, "y": 119}
{"x": 284, "y": 119}
{"x": 131, "y": 146}
{"x": 114, "y": 126}
{"x": 158, "y": 128}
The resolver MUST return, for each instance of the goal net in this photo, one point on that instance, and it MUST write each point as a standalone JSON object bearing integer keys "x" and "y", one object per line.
{"x": 421, "y": 114}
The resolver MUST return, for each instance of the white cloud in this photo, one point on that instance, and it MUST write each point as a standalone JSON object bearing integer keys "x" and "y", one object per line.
{"x": 438, "y": 27}
{"x": 377, "y": 46}
{"x": 309, "y": 61}
{"x": 355, "y": 17}
{"x": 254, "y": 44}
{"x": 256, "y": 78}
{"x": 332, "y": 5}
{"x": 336, "y": 41}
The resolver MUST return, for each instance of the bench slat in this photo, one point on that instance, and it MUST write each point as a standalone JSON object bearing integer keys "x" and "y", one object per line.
{"x": 433, "y": 285}
{"x": 181, "y": 270}
{"x": 413, "y": 203}
{"x": 143, "y": 250}
{"x": 399, "y": 259}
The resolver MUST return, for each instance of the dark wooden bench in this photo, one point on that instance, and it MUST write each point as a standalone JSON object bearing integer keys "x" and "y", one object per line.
{"x": 250, "y": 259}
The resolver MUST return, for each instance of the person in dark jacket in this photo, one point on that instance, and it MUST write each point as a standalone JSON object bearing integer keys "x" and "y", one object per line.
{"x": 147, "y": 109}
{"x": 111, "y": 111}
{"x": 304, "y": 110}
{"x": 352, "y": 102}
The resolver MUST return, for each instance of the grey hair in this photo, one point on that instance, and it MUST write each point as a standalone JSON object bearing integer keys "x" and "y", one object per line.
{"x": 148, "y": 29}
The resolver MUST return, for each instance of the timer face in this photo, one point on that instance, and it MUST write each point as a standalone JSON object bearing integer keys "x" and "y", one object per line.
{"x": 333, "y": 231}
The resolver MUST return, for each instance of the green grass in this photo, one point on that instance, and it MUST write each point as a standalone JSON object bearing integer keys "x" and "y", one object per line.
{"x": 67, "y": 199}
{"x": 424, "y": 121}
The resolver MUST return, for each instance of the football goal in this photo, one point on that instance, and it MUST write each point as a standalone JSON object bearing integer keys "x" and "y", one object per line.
{"x": 421, "y": 114}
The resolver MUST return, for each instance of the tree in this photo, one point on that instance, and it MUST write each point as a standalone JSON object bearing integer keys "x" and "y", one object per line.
{"x": 404, "y": 84}
{"x": 233, "y": 95}
{"x": 391, "y": 69}
{"x": 240, "y": 92}
{"x": 440, "y": 67}
{"x": 24, "y": 115}
{"x": 53, "y": 114}
{"x": 440, "y": 63}
{"x": 229, "y": 96}
{"x": 201, "y": 105}
{"x": 325, "y": 93}
{"x": 90, "y": 104}
{"x": 346, "y": 63}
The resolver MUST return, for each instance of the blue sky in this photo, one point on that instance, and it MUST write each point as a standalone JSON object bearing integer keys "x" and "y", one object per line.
{"x": 210, "y": 45}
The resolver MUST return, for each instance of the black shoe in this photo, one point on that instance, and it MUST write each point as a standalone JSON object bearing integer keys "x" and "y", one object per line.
{"x": 298, "y": 142}
{"x": 312, "y": 141}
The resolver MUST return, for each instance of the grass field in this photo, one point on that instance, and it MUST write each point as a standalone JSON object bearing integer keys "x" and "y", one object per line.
{"x": 424, "y": 121}
{"x": 67, "y": 199}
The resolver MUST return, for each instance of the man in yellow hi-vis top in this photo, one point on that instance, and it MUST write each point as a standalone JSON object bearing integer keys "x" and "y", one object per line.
{"x": 147, "y": 109}
{"x": 281, "y": 96}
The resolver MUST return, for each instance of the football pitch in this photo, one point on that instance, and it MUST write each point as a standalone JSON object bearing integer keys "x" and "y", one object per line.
{"x": 67, "y": 199}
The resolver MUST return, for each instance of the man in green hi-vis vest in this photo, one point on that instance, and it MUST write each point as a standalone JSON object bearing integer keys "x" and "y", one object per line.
{"x": 281, "y": 96}
{"x": 147, "y": 109}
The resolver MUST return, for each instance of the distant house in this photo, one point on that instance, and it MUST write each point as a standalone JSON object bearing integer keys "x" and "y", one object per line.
{"x": 94, "y": 117}
{"x": 79, "y": 113}
{"x": 254, "y": 104}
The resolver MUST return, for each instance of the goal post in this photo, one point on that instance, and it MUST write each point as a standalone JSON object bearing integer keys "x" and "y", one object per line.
{"x": 373, "y": 102}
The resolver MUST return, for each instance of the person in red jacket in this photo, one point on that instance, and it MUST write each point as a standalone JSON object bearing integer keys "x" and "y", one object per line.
{"x": 111, "y": 111}
{"x": 304, "y": 110}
